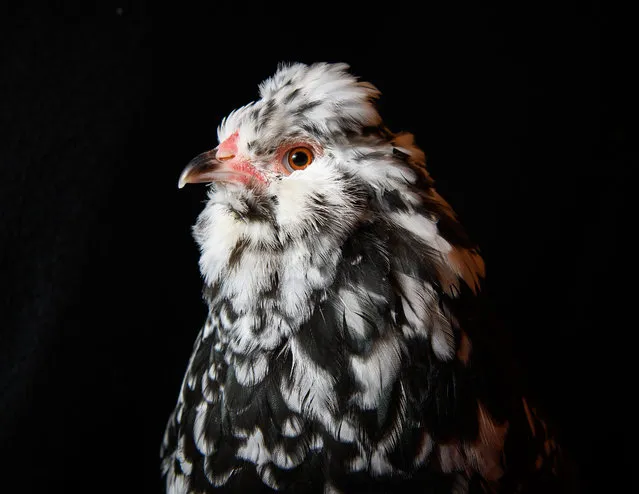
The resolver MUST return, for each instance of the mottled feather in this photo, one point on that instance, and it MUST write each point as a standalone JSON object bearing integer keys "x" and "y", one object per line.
{"x": 340, "y": 353}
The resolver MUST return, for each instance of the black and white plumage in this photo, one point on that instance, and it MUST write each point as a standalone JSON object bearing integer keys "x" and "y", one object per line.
{"x": 340, "y": 352}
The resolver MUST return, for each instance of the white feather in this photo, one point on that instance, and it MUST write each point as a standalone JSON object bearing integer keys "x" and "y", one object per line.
{"x": 253, "y": 449}
{"x": 250, "y": 372}
{"x": 203, "y": 445}
{"x": 376, "y": 371}
{"x": 292, "y": 426}
{"x": 309, "y": 389}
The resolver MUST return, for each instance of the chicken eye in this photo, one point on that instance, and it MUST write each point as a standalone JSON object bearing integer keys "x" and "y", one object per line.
{"x": 298, "y": 158}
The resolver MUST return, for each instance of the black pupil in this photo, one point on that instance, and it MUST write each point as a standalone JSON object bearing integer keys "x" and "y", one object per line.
{"x": 299, "y": 158}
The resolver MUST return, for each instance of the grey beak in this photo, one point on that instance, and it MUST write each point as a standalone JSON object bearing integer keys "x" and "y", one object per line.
{"x": 204, "y": 168}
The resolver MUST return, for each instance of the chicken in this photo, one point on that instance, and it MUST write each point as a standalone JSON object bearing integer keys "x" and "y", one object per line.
{"x": 340, "y": 353}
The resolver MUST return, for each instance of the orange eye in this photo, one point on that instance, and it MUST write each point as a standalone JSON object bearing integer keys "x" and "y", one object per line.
{"x": 298, "y": 158}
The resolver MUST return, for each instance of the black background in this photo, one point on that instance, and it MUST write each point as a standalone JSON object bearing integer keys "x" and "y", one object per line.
{"x": 520, "y": 112}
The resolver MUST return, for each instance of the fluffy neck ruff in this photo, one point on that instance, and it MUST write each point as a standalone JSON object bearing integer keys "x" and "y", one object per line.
{"x": 329, "y": 336}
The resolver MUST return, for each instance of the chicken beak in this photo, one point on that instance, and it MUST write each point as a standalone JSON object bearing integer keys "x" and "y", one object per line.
{"x": 204, "y": 168}
{"x": 220, "y": 166}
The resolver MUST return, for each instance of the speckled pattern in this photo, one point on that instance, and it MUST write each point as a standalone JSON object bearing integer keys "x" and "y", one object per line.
{"x": 335, "y": 356}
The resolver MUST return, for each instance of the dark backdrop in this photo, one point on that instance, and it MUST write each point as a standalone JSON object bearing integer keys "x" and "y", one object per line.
{"x": 100, "y": 292}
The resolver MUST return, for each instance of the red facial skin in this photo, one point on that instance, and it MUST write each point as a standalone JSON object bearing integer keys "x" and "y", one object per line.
{"x": 227, "y": 152}
{"x": 228, "y": 148}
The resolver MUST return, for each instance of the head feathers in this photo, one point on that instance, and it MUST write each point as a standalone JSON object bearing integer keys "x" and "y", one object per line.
{"x": 322, "y": 99}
